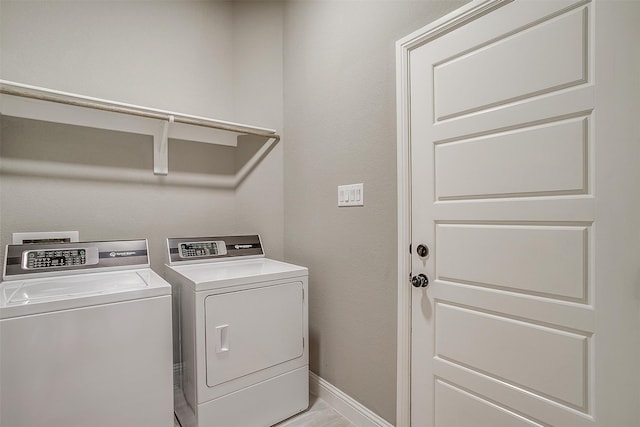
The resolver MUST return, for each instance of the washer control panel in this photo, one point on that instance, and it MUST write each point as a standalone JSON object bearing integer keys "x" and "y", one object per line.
{"x": 202, "y": 249}
{"x": 63, "y": 258}
{"x": 59, "y": 257}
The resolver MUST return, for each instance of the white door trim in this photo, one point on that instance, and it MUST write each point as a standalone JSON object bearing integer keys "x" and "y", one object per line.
{"x": 447, "y": 23}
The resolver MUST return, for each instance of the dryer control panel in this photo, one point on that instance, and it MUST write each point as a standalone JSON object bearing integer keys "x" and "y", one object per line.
{"x": 201, "y": 249}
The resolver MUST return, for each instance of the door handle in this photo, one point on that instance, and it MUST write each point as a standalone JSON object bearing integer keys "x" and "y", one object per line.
{"x": 222, "y": 338}
{"x": 420, "y": 281}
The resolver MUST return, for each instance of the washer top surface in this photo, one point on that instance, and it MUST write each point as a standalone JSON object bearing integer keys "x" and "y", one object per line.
{"x": 33, "y": 296}
{"x": 213, "y": 275}
{"x": 40, "y": 278}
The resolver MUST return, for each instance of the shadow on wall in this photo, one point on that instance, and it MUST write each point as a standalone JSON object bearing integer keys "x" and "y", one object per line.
{"x": 314, "y": 347}
{"x": 44, "y": 149}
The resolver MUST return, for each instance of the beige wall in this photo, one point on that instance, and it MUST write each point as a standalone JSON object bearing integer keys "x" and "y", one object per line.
{"x": 167, "y": 54}
{"x": 186, "y": 56}
{"x": 258, "y": 98}
{"x": 340, "y": 129}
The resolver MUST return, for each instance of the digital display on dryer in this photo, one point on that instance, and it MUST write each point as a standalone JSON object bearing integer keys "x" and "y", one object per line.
{"x": 201, "y": 249}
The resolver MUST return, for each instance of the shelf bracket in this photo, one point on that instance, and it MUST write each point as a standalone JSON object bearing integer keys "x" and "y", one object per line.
{"x": 161, "y": 149}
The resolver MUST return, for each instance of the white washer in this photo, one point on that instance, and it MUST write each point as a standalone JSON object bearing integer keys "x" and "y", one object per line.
{"x": 85, "y": 337}
{"x": 244, "y": 334}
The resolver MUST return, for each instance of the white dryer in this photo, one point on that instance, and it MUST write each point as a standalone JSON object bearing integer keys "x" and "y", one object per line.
{"x": 85, "y": 337}
{"x": 244, "y": 334}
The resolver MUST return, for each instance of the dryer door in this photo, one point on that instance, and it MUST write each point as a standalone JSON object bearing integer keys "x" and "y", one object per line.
{"x": 251, "y": 330}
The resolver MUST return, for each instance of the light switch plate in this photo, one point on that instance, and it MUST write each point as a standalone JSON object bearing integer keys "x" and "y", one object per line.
{"x": 351, "y": 195}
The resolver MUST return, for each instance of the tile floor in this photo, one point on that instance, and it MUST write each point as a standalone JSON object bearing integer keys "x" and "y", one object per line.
{"x": 319, "y": 414}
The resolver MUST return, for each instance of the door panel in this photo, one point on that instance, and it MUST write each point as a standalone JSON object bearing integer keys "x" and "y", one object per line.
{"x": 543, "y": 260}
{"x": 507, "y": 164}
{"x": 499, "y": 72}
{"x": 250, "y": 330}
{"x": 507, "y": 149}
{"x": 510, "y": 398}
{"x": 477, "y": 411}
{"x": 547, "y": 361}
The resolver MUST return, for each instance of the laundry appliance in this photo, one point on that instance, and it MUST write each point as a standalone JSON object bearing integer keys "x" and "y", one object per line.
{"x": 243, "y": 333}
{"x": 85, "y": 337}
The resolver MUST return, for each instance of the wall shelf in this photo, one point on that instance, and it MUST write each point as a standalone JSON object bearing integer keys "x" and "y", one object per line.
{"x": 38, "y": 103}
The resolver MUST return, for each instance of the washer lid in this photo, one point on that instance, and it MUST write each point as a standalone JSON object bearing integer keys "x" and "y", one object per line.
{"x": 33, "y": 296}
{"x": 215, "y": 275}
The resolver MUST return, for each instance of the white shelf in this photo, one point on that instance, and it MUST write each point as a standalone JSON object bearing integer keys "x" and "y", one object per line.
{"x": 38, "y": 103}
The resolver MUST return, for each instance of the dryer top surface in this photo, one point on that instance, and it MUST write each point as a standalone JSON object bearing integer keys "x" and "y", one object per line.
{"x": 214, "y": 275}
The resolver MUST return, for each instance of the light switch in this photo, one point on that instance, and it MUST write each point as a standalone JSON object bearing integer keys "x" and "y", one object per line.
{"x": 351, "y": 195}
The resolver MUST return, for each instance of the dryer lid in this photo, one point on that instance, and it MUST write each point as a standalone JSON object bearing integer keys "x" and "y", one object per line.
{"x": 207, "y": 276}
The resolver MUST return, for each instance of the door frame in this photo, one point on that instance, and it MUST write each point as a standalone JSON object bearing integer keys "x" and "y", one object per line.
{"x": 467, "y": 13}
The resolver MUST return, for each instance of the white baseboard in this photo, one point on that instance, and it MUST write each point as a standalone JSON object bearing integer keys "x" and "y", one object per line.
{"x": 347, "y": 406}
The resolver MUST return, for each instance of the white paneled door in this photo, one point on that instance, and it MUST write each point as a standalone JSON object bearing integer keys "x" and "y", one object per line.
{"x": 525, "y": 189}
